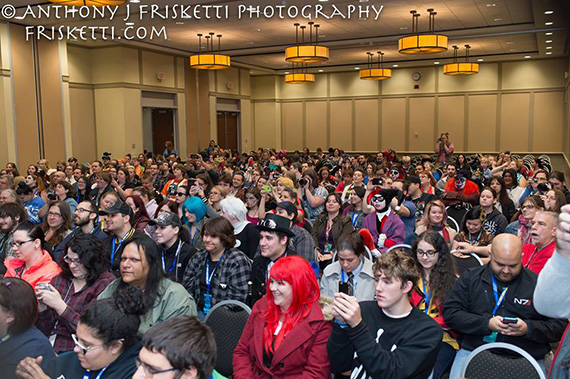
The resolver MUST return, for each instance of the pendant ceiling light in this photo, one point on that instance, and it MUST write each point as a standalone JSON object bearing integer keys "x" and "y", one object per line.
{"x": 307, "y": 52}
{"x": 378, "y": 73}
{"x": 89, "y": 3}
{"x": 428, "y": 43}
{"x": 299, "y": 75}
{"x": 461, "y": 68}
{"x": 209, "y": 60}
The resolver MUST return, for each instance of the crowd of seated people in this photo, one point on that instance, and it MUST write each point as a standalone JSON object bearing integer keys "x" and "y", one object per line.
{"x": 349, "y": 262}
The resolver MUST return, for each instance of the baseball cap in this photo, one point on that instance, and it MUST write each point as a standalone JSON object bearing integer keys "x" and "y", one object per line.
{"x": 118, "y": 207}
{"x": 289, "y": 207}
{"x": 165, "y": 219}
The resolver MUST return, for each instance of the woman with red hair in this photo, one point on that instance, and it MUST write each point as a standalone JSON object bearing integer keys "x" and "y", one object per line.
{"x": 286, "y": 334}
{"x": 141, "y": 218}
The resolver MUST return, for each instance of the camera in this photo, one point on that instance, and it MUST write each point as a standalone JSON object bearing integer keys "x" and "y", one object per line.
{"x": 194, "y": 156}
{"x": 303, "y": 182}
{"x": 51, "y": 195}
{"x": 543, "y": 187}
{"x": 377, "y": 181}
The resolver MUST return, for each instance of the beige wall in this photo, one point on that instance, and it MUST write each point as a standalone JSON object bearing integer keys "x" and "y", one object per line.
{"x": 506, "y": 106}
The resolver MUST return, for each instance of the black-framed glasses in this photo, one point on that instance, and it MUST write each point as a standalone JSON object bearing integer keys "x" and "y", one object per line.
{"x": 428, "y": 253}
{"x": 81, "y": 210}
{"x": 148, "y": 371}
{"x": 181, "y": 194}
{"x": 69, "y": 261}
{"x": 18, "y": 244}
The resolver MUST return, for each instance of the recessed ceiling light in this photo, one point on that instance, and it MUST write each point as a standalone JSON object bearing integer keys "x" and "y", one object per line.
{"x": 436, "y": 62}
{"x": 549, "y": 53}
{"x": 549, "y": 41}
{"x": 322, "y": 35}
{"x": 548, "y": 12}
{"x": 549, "y": 33}
{"x": 491, "y": 5}
{"x": 249, "y": 43}
{"x": 498, "y": 19}
{"x": 513, "y": 49}
{"x": 258, "y": 30}
{"x": 549, "y": 47}
{"x": 286, "y": 72}
{"x": 357, "y": 68}
{"x": 509, "y": 42}
{"x": 363, "y": 1}
{"x": 527, "y": 56}
{"x": 180, "y": 23}
{"x": 548, "y": 23}
{"x": 135, "y": 1}
{"x": 320, "y": 70}
{"x": 404, "y": 28}
{"x": 394, "y": 65}
{"x": 323, "y": 1}
{"x": 480, "y": 60}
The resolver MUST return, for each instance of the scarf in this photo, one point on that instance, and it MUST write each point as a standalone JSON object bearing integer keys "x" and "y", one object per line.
{"x": 524, "y": 230}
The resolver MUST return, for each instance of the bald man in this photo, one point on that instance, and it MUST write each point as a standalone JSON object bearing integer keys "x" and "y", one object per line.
{"x": 543, "y": 235}
{"x": 494, "y": 303}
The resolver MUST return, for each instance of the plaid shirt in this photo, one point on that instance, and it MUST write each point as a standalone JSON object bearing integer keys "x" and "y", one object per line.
{"x": 229, "y": 281}
{"x": 66, "y": 324}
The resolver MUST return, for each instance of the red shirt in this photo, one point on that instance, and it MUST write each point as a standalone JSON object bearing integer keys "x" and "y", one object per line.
{"x": 534, "y": 259}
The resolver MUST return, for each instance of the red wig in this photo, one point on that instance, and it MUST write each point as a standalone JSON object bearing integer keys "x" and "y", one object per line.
{"x": 305, "y": 290}
{"x": 139, "y": 203}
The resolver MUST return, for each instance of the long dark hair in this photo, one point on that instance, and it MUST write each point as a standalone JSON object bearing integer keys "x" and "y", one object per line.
{"x": 155, "y": 274}
{"x": 504, "y": 198}
{"x": 442, "y": 277}
{"x": 91, "y": 254}
{"x": 116, "y": 318}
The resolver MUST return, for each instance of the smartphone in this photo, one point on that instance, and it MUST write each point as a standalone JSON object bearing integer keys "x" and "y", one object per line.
{"x": 343, "y": 287}
{"x": 266, "y": 188}
{"x": 510, "y": 320}
{"x": 43, "y": 286}
{"x": 377, "y": 181}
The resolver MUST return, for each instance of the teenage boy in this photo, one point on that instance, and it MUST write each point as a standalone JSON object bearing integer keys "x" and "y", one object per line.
{"x": 274, "y": 236}
{"x": 181, "y": 347}
{"x": 387, "y": 337}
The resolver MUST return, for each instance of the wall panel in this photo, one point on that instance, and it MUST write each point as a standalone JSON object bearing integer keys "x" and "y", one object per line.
{"x": 482, "y": 123}
{"x": 83, "y": 135}
{"x": 548, "y": 131}
{"x": 349, "y": 84}
{"x": 341, "y": 124}
{"x": 514, "y": 122}
{"x": 422, "y": 123}
{"x": 366, "y": 125}
{"x": 292, "y": 125}
{"x": 265, "y": 115}
{"x": 152, "y": 64}
{"x": 451, "y": 119}
{"x": 316, "y": 122}
{"x": 394, "y": 124}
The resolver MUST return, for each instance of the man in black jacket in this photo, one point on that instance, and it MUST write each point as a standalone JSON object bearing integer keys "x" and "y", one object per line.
{"x": 274, "y": 236}
{"x": 495, "y": 303}
{"x": 386, "y": 338}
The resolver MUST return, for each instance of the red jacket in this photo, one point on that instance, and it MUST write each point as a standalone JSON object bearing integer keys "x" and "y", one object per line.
{"x": 535, "y": 260}
{"x": 302, "y": 354}
{"x": 42, "y": 272}
{"x": 469, "y": 193}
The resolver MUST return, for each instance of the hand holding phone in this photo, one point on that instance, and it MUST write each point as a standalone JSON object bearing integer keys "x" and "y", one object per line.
{"x": 343, "y": 287}
{"x": 510, "y": 320}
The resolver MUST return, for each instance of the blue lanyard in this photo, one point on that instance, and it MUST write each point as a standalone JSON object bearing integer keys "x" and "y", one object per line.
{"x": 354, "y": 219}
{"x": 193, "y": 237}
{"x": 114, "y": 250}
{"x": 210, "y": 276}
{"x": 87, "y": 373}
{"x": 180, "y": 243}
{"x": 477, "y": 240}
{"x": 428, "y": 297}
{"x": 498, "y": 299}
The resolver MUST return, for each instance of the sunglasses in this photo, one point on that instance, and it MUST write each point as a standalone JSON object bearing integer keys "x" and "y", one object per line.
{"x": 181, "y": 194}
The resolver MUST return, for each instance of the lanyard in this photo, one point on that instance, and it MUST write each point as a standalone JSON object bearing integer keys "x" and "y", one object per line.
{"x": 498, "y": 299}
{"x": 5, "y": 338}
{"x": 428, "y": 297}
{"x": 180, "y": 243}
{"x": 210, "y": 276}
{"x": 193, "y": 236}
{"x": 476, "y": 242}
{"x": 114, "y": 250}
{"x": 354, "y": 219}
{"x": 87, "y": 373}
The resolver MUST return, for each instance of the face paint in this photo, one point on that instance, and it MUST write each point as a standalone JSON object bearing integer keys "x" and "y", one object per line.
{"x": 460, "y": 183}
{"x": 378, "y": 202}
{"x": 394, "y": 174}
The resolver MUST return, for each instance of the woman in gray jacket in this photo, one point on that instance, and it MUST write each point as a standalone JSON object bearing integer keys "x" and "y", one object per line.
{"x": 352, "y": 271}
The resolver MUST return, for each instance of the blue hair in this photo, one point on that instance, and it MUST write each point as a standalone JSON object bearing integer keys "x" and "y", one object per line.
{"x": 196, "y": 206}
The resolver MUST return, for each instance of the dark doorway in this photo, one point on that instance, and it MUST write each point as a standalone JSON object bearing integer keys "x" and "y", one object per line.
{"x": 228, "y": 130}
{"x": 162, "y": 129}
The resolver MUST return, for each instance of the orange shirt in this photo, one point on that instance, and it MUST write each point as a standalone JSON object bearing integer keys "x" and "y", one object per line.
{"x": 42, "y": 272}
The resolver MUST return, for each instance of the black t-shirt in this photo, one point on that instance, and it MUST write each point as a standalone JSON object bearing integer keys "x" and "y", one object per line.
{"x": 175, "y": 270}
{"x": 421, "y": 203}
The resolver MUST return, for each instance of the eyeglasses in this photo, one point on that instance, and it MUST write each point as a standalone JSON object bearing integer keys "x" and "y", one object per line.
{"x": 84, "y": 350}
{"x": 18, "y": 244}
{"x": 80, "y": 210}
{"x": 53, "y": 214}
{"x": 429, "y": 253}
{"x": 181, "y": 194}
{"x": 69, "y": 261}
{"x": 149, "y": 372}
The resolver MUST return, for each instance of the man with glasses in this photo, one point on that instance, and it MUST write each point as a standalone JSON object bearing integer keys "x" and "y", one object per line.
{"x": 181, "y": 347}
{"x": 494, "y": 303}
{"x": 539, "y": 179}
{"x": 85, "y": 219}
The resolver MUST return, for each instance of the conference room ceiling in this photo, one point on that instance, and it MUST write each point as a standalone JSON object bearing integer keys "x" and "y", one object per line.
{"x": 497, "y": 30}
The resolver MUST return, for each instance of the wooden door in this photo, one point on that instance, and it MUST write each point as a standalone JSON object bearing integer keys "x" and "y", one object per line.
{"x": 162, "y": 129}
{"x": 228, "y": 129}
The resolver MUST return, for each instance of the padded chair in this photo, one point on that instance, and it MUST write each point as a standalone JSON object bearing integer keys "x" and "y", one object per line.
{"x": 451, "y": 221}
{"x": 456, "y": 214}
{"x": 483, "y": 363}
{"x": 403, "y": 246}
{"x": 227, "y": 320}
{"x": 463, "y": 264}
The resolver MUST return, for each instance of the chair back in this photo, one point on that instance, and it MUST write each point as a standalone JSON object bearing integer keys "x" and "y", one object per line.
{"x": 227, "y": 320}
{"x": 464, "y": 264}
{"x": 407, "y": 248}
{"x": 489, "y": 361}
